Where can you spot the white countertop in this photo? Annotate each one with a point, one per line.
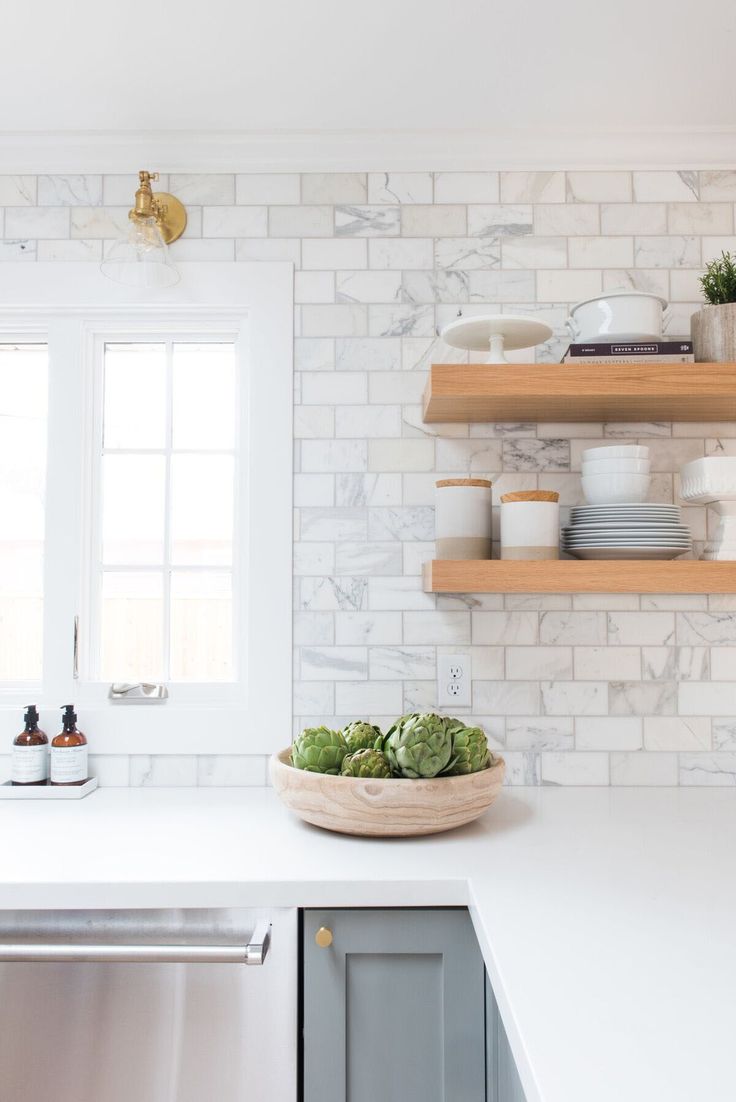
(607, 917)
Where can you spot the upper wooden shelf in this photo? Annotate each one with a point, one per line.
(581, 392)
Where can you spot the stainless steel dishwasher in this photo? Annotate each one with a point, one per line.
(148, 1006)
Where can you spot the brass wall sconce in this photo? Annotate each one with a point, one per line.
(141, 257)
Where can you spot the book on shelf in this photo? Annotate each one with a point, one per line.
(607, 352)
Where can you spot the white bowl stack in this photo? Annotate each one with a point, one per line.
(617, 475)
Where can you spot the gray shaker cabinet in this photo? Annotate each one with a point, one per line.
(504, 1084)
(394, 1007)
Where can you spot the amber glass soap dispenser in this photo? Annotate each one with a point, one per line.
(29, 757)
(69, 752)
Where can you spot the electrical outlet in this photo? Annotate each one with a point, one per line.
(453, 681)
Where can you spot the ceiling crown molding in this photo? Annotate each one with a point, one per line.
(366, 150)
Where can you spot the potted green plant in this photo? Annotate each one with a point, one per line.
(714, 326)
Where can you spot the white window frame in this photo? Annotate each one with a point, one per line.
(72, 306)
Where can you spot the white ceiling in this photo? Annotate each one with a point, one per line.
(384, 65)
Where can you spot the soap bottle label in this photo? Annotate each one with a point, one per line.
(68, 764)
(28, 764)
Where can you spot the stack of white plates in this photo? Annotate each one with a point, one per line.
(626, 531)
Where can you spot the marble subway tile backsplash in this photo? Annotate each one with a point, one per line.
(574, 689)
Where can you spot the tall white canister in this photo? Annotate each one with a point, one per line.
(463, 518)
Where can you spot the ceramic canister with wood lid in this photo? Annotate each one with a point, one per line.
(530, 525)
(463, 518)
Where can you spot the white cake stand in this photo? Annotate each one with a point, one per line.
(495, 333)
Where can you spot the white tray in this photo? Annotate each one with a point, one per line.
(9, 791)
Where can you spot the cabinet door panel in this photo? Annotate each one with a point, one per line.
(504, 1084)
(393, 1008)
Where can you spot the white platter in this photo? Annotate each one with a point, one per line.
(9, 791)
(494, 333)
(628, 552)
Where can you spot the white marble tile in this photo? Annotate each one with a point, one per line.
(231, 770)
(404, 320)
(332, 253)
(21, 250)
(467, 253)
(666, 186)
(723, 732)
(402, 594)
(567, 286)
(673, 733)
(541, 663)
(600, 252)
(314, 354)
(500, 220)
(341, 320)
(366, 698)
(70, 191)
(466, 187)
(368, 489)
(717, 629)
(651, 280)
(367, 421)
(718, 185)
(231, 221)
(403, 253)
(334, 455)
(608, 733)
(401, 663)
(574, 698)
(314, 558)
(203, 249)
(552, 454)
(641, 628)
(369, 628)
(722, 664)
(708, 769)
(539, 733)
(333, 663)
(645, 769)
(313, 422)
(495, 285)
(368, 221)
(334, 387)
(207, 189)
(47, 222)
(368, 286)
(634, 218)
(534, 252)
(298, 221)
(506, 698)
(313, 698)
(541, 602)
(111, 770)
(271, 188)
(400, 187)
(522, 769)
(667, 252)
(678, 664)
(607, 663)
(446, 220)
(598, 187)
(163, 771)
(332, 593)
(435, 286)
(387, 387)
(403, 522)
(613, 602)
(400, 455)
(119, 189)
(703, 218)
(642, 698)
(575, 768)
(532, 187)
(685, 284)
(18, 191)
(368, 354)
(314, 287)
(334, 187)
(577, 628)
(315, 629)
(567, 219)
(262, 248)
(333, 524)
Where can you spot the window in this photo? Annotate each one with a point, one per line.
(139, 540)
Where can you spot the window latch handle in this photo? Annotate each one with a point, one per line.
(122, 692)
(75, 663)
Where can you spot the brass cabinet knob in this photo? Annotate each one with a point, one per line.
(323, 937)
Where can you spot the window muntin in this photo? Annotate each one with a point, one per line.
(23, 429)
(164, 557)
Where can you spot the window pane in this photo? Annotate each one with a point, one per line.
(132, 626)
(201, 510)
(23, 398)
(135, 396)
(201, 626)
(204, 396)
(133, 505)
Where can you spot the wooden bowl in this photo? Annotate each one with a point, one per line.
(385, 808)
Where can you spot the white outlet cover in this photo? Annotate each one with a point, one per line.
(453, 681)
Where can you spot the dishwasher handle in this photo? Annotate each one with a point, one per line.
(90, 953)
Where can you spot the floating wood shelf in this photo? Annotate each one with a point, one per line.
(581, 392)
(568, 576)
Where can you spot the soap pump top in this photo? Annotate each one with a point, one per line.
(30, 718)
(69, 719)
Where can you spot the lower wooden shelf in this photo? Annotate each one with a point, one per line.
(568, 576)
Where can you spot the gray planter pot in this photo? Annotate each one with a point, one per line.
(714, 334)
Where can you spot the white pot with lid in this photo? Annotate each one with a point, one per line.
(618, 315)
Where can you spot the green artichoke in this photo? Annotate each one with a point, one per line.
(419, 745)
(319, 750)
(469, 750)
(362, 735)
(366, 763)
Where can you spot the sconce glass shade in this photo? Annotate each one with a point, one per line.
(141, 258)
